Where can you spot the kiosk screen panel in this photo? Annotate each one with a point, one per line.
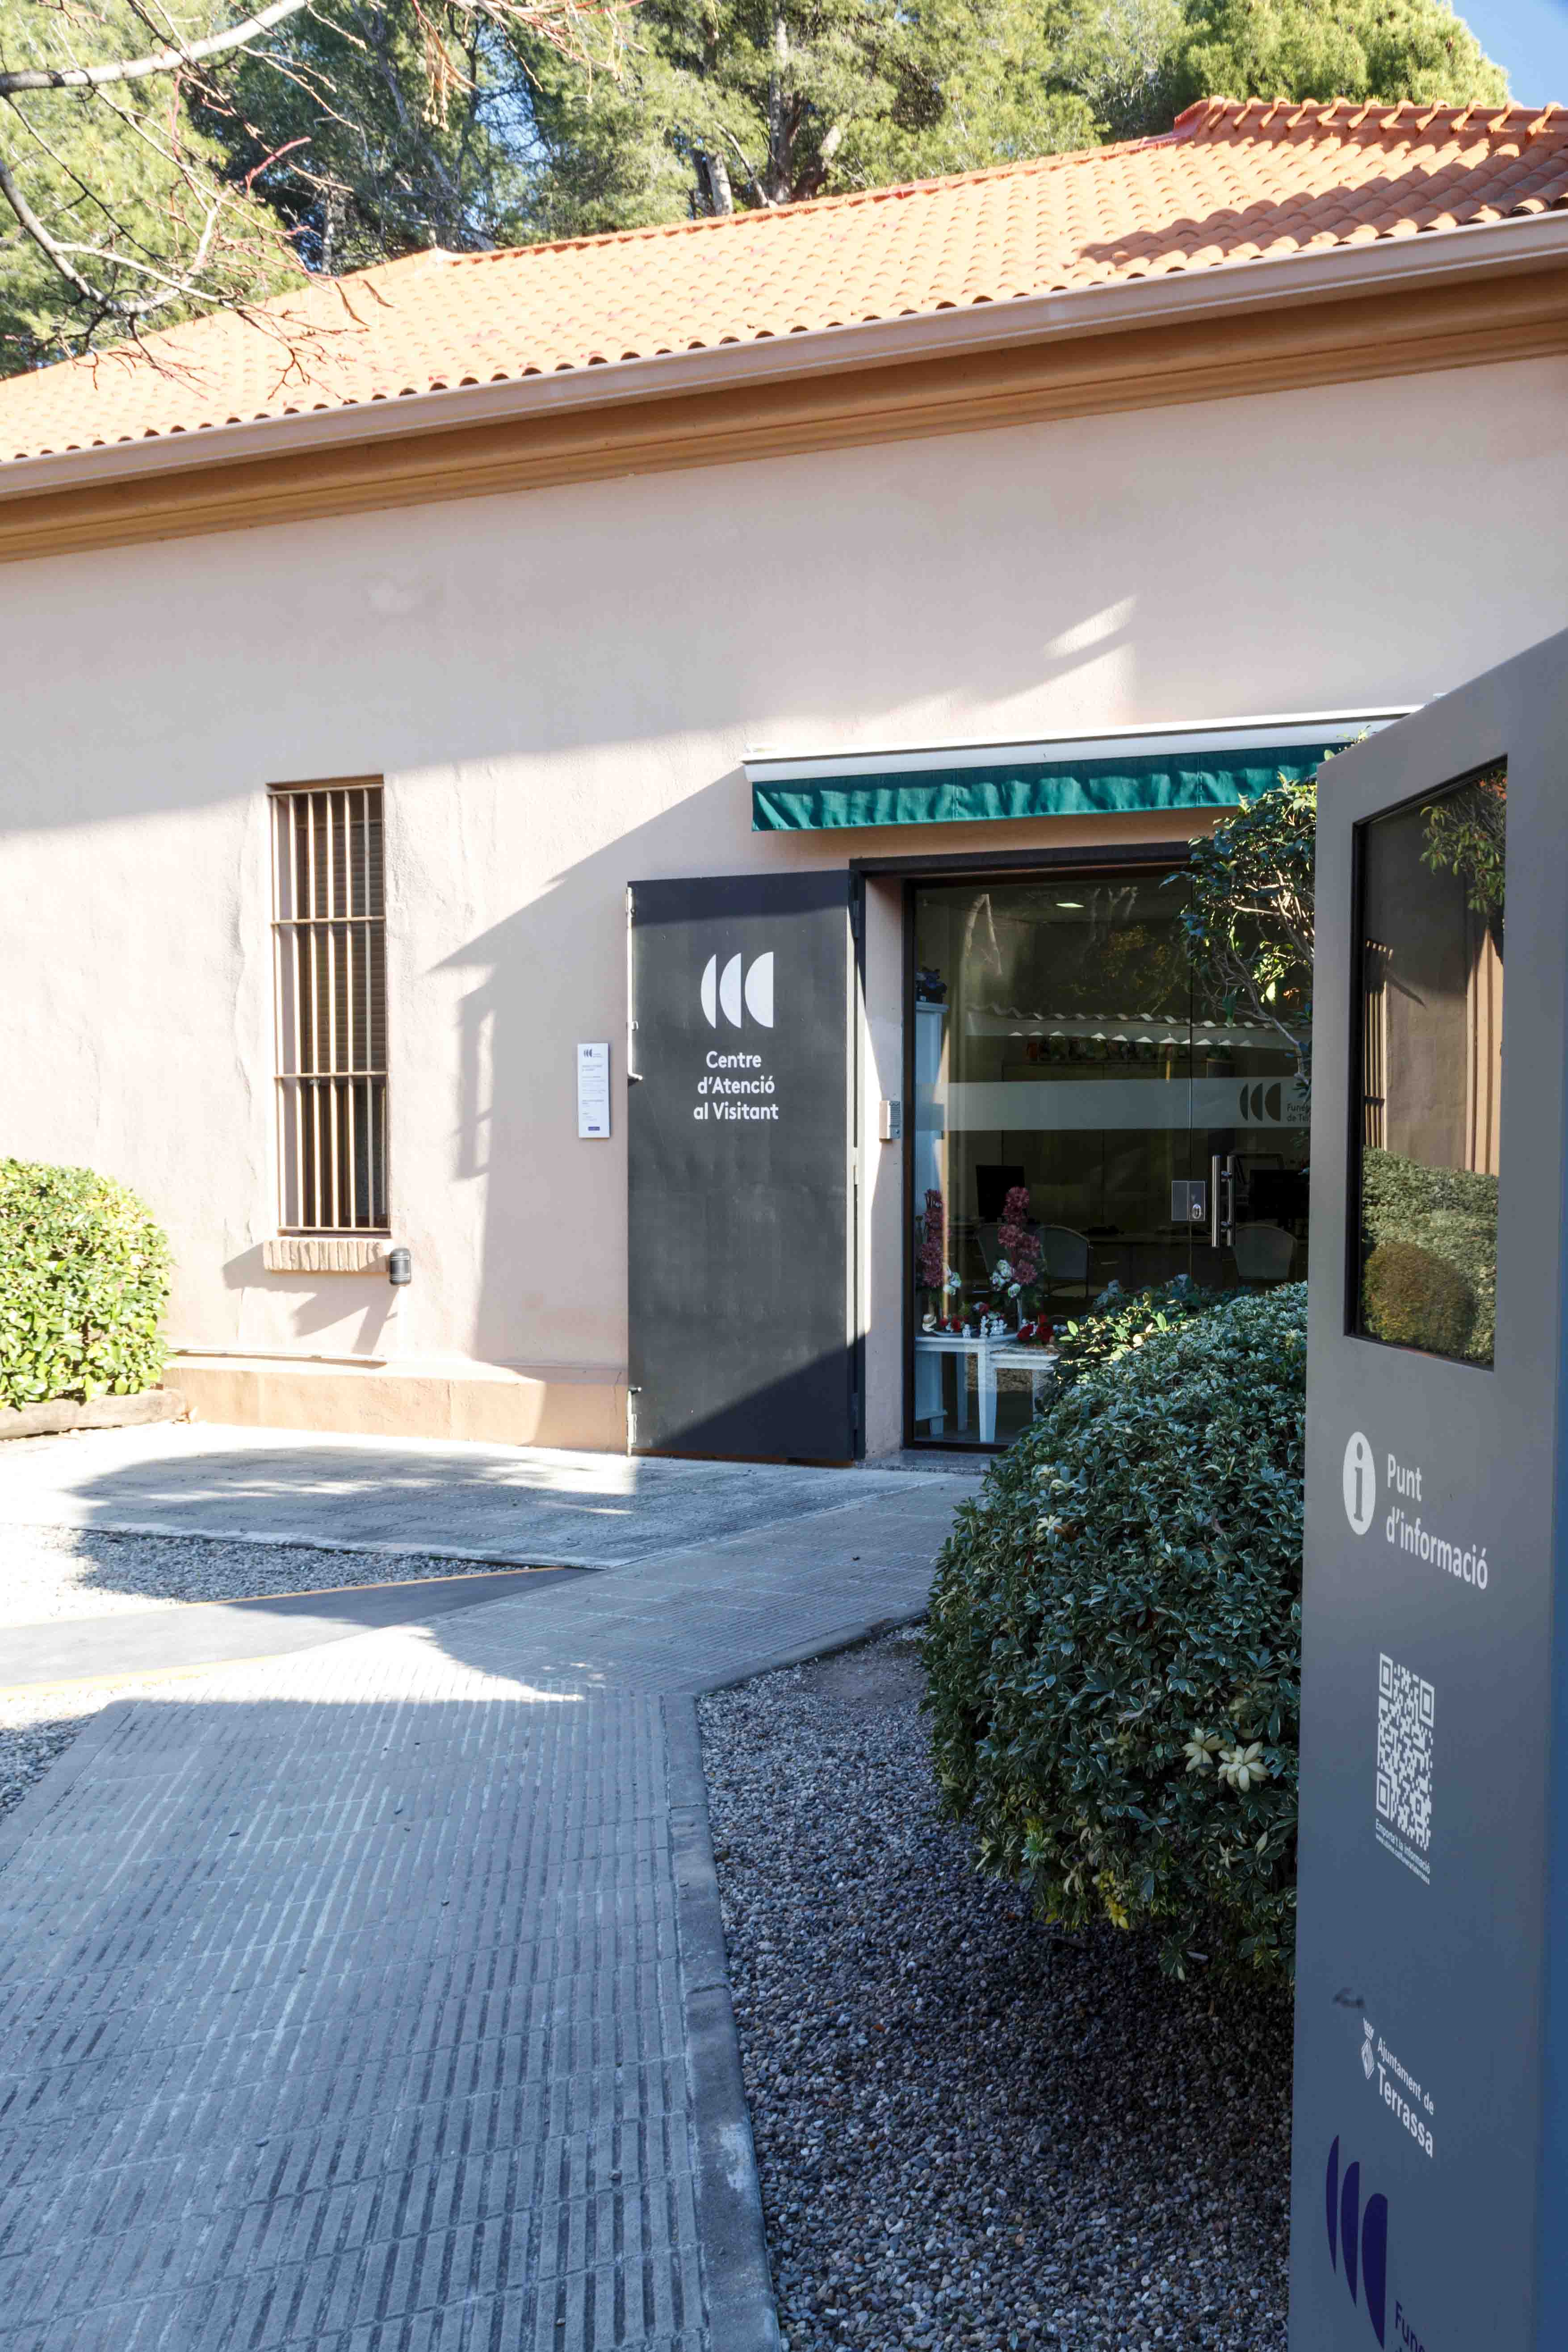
(1425, 1142)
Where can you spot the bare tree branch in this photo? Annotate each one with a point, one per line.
(165, 61)
(34, 227)
(187, 228)
(750, 170)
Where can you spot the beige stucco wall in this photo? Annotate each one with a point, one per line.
(558, 688)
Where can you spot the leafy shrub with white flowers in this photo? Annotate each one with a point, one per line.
(1120, 1320)
(1113, 1649)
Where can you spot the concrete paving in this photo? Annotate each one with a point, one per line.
(119, 1647)
(530, 1509)
(375, 1997)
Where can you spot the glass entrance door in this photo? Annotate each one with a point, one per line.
(1071, 1106)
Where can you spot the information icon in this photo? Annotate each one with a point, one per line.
(1360, 1484)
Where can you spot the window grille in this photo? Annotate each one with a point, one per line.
(328, 932)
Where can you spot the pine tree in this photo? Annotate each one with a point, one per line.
(1333, 48)
(746, 103)
(386, 139)
(730, 104)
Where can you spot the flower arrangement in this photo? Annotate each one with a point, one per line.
(1016, 1239)
(1017, 1269)
(931, 1261)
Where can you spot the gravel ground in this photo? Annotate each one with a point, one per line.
(54, 1572)
(51, 1572)
(38, 1727)
(973, 2131)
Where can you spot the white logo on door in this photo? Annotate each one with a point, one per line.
(725, 991)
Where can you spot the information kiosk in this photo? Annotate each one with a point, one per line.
(1429, 2192)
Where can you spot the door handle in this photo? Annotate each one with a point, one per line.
(1221, 1199)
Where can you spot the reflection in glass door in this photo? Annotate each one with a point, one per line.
(1429, 1130)
(1070, 1103)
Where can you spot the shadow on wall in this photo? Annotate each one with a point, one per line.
(551, 975)
(414, 691)
(325, 1302)
(408, 676)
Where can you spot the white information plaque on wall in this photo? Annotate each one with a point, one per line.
(592, 1090)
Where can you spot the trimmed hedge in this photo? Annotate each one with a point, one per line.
(1417, 1299)
(1451, 1214)
(84, 1280)
(1113, 1650)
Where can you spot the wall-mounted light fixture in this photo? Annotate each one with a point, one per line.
(399, 1268)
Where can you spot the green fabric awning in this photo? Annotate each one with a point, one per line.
(1176, 779)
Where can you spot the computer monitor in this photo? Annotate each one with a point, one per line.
(992, 1186)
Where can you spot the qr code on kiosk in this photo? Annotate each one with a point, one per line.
(1406, 1707)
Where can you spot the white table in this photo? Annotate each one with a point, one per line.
(992, 1356)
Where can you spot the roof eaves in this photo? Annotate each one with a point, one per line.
(1522, 241)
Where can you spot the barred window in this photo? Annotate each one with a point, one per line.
(329, 933)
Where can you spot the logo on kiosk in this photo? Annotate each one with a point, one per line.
(1360, 1484)
(728, 991)
(1358, 2241)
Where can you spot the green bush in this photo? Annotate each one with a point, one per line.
(1120, 1320)
(84, 1280)
(1417, 1299)
(1450, 1212)
(1113, 1650)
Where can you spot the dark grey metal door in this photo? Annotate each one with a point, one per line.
(1430, 2170)
(738, 1138)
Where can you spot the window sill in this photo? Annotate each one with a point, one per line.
(326, 1254)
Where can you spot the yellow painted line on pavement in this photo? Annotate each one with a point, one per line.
(320, 1591)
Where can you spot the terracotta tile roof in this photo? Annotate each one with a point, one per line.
(1231, 182)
